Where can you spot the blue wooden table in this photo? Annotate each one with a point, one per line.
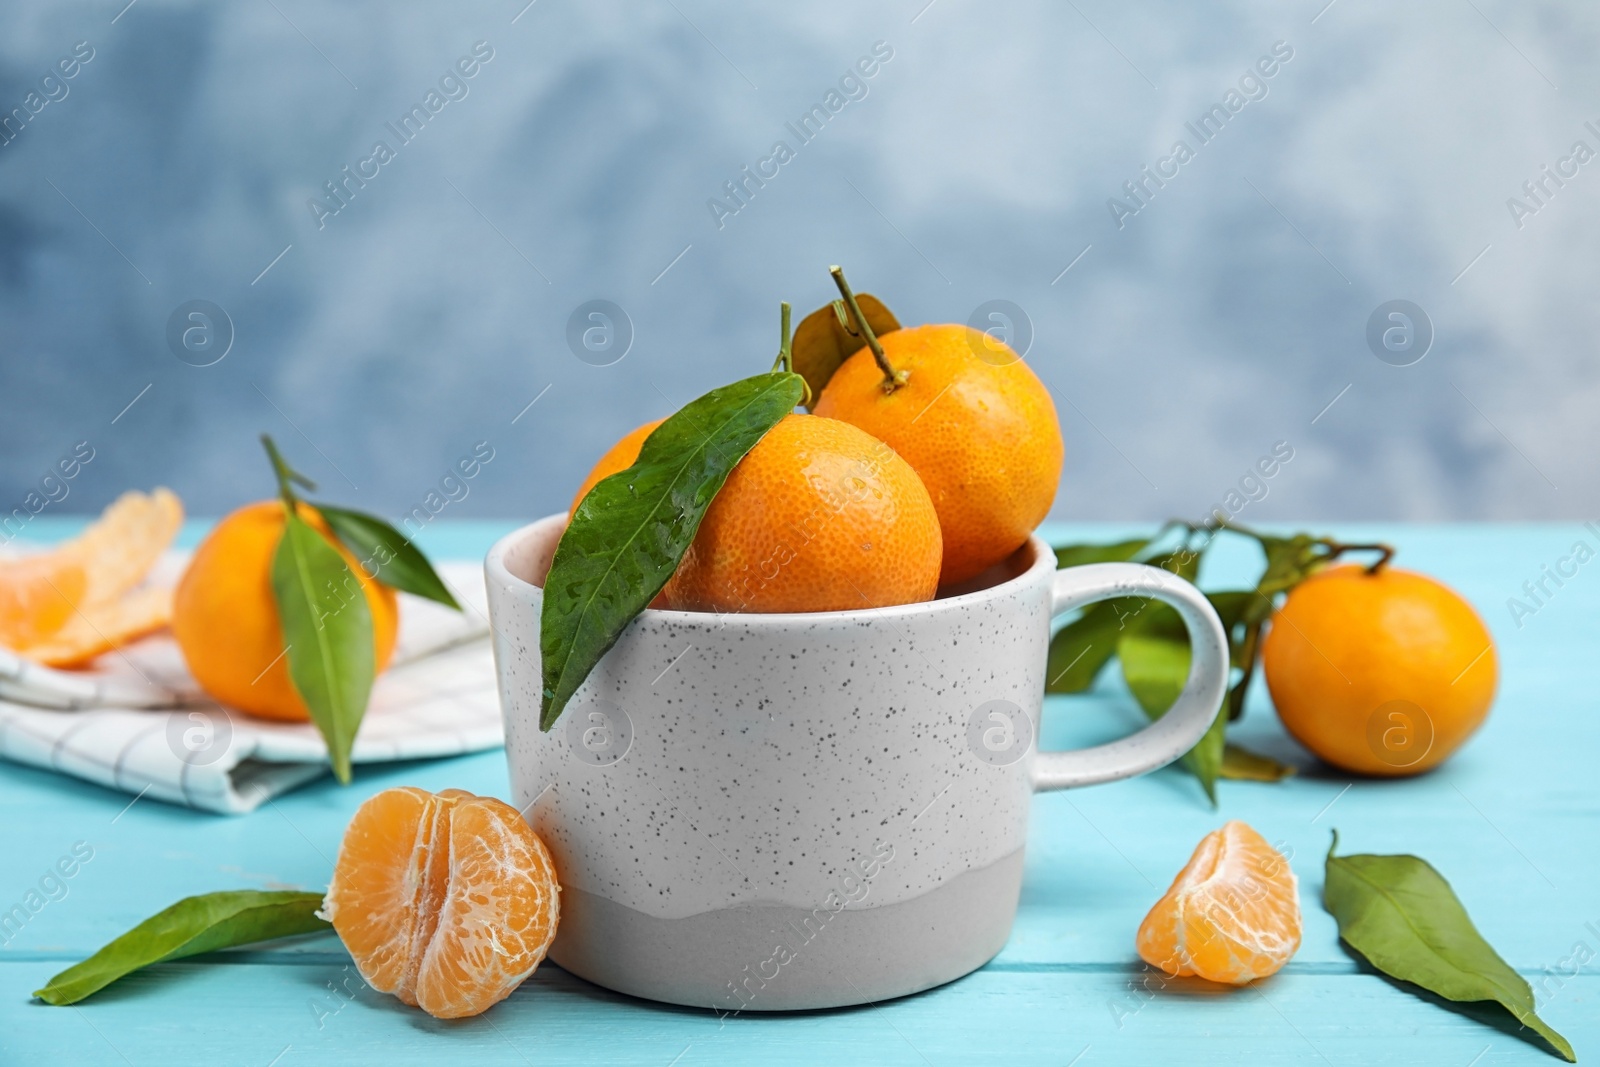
(1513, 821)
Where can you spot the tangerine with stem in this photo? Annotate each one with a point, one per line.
(970, 417)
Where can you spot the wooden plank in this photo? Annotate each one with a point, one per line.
(318, 1012)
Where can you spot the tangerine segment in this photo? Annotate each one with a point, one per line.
(1232, 915)
(623, 454)
(818, 516)
(499, 915)
(100, 627)
(447, 901)
(386, 884)
(120, 547)
(38, 595)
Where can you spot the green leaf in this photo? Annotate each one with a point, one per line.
(1155, 666)
(1242, 765)
(386, 554)
(1236, 607)
(1082, 647)
(1290, 560)
(1231, 606)
(191, 926)
(1184, 562)
(632, 529)
(1120, 552)
(823, 341)
(1159, 620)
(327, 634)
(1402, 916)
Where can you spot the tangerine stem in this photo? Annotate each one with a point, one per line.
(785, 360)
(287, 476)
(1335, 548)
(280, 470)
(1386, 552)
(892, 379)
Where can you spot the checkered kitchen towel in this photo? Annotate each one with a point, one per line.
(137, 722)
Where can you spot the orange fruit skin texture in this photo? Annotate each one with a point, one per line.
(623, 455)
(981, 432)
(1232, 915)
(448, 901)
(818, 516)
(1346, 643)
(37, 597)
(225, 616)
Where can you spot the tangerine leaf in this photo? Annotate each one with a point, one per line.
(1289, 561)
(387, 555)
(1182, 561)
(1155, 666)
(823, 340)
(1241, 765)
(1401, 915)
(1080, 649)
(1120, 552)
(630, 532)
(327, 634)
(193, 925)
(1159, 620)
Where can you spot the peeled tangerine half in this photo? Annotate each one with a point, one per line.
(1232, 914)
(448, 901)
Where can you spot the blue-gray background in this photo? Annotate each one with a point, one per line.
(1224, 317)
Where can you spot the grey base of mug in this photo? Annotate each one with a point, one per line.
(729, 959)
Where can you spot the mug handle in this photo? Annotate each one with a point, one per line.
(1170, 736)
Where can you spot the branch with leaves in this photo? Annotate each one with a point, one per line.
(1152, 646)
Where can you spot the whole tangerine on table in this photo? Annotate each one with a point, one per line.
(1377, 670)
(448, 901)
(972, 419)
(225, 617)
(818, 516)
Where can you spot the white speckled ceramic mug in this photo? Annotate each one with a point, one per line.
(777, 812)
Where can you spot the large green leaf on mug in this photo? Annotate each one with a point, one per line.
(631, 531)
